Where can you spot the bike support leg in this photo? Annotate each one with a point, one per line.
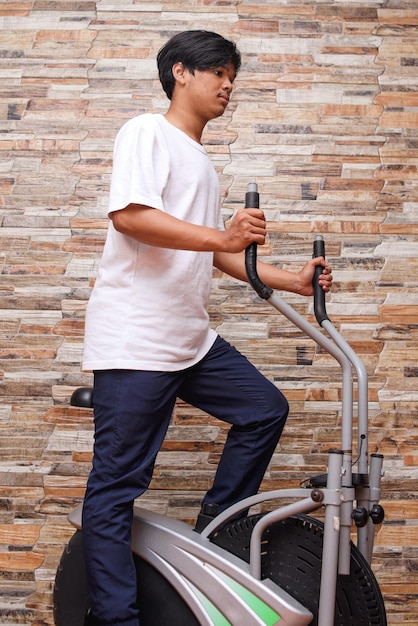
(368, 497)
(329, 566)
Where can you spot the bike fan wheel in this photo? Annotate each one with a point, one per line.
(159, 603)
(292, 555)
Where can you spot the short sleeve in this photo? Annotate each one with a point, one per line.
(140, 165)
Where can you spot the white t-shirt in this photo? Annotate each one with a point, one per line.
(148, 309)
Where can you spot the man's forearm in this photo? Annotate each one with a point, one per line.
(274, 277)
(156, 228)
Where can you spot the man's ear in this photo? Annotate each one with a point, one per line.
(179, 72)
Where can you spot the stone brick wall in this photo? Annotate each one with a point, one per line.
(325, 119)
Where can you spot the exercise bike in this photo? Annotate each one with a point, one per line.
(264, 569)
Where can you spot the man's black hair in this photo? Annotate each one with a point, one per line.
(197, 50)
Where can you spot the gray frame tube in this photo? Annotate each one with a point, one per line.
(363, 400)
(330, 550)
(332, 349)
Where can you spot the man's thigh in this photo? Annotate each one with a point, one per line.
(226, 385)
(132, 411)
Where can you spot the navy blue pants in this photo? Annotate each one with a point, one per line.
(132, 411)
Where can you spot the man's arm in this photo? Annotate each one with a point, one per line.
(274, 277)
(156, 228)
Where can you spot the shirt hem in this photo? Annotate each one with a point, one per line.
(126, 364)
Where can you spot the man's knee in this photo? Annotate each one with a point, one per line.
(278, 407)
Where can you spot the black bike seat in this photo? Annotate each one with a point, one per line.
(83, 396)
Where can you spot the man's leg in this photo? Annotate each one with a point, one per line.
(132, 412)
(226, 385)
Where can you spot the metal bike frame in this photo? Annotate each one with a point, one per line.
(223, 590)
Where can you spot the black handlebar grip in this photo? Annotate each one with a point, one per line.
(319, 293)
(252, 197)
(252, 201)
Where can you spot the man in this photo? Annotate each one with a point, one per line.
(148, 338)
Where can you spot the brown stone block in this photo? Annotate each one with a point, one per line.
(64, 5)
(57, 506)
(65, 36)
(19, 534)
(345, 226)
(56, 105)
(393, 155)
(397, 99)
(256, 26)
(98, 51)
(346, 159)
(22, 348)
(346, 13)
(33, 476)
(20, 561)
(404, 486)
(29, 492)
(323, 395)
(398, 119)
(20, 8)
(6, 145)
(398, 17)
(87, 243)
(29, 390)
(392, 444)
(36, 329)
(399, 229)
(44, 270)
(6, 185)
(409, 444)
(82, 457)
(401, 509)
(411, 460)
(68, 415)
(392, 416)
(80, 223)
(397, 536)
(399, 313)
(91, 167)
(27, 303)
(348, 50)
(70, 328)
(289, 227)
(352, 185)
(65, 493)
(314, 28)
(260, 8)
(293, 395)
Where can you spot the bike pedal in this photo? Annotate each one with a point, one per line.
(317, 481)
(358, 480)
(207, 513)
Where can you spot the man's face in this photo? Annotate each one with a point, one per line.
(208, 91)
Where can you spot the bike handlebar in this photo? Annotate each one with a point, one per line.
(319, 293)
(252, 200)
